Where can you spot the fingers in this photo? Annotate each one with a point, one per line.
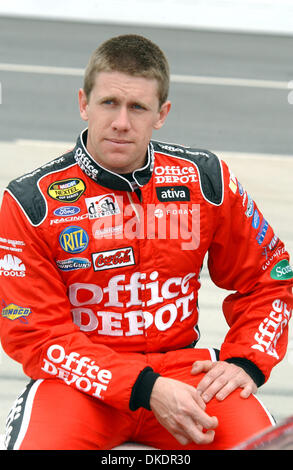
(221, 390)
(198, 398)
(248, 390)
(199, 415)
(181, 438)
(201, 366)
(221, 379)
(199, 425)
(212, 382)
(204, 420)
(200, 437)
(233, 385)
(193, 433)
(181, 410)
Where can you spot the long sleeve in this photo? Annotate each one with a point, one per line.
(246, 256)
(36, 324)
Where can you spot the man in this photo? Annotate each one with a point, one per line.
(101, 252)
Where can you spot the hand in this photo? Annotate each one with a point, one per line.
(221, 379)
(180, 409)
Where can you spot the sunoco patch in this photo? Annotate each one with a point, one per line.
(68, 190)
(14, 312)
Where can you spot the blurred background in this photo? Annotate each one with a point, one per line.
(231, 92)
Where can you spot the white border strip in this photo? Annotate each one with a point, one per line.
(273, 422)
(27, 414)
(259, 16)
(213, 354)
(183, 79)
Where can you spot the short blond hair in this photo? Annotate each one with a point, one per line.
(131, 54)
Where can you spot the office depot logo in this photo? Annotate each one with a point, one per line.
(79, 371)
(175, 174)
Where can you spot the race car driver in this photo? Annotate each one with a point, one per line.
(101, 253)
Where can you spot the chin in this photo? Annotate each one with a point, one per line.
(118, 164)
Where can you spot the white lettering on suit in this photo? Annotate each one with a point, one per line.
(74, 369)
(109, 323)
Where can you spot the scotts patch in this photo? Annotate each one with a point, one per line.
(173, 193)
(14, 312)
(74, 239)
(113, 258)
(68, 190)
(282, 270)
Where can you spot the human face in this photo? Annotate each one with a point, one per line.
(122, 112)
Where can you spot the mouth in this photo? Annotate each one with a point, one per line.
(119, 141)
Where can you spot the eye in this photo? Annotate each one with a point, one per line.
(138, 107)
(108, 101)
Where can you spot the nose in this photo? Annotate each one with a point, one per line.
(121, 122)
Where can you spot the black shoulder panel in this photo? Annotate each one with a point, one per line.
(26, 191)
(208, 164)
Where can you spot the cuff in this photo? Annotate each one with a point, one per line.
(250, 368)
(142, 389)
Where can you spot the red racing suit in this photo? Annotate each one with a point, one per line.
(95, 264)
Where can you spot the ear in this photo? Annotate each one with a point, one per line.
(82, 99)
(163, 113)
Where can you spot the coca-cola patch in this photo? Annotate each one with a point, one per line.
(110, 259)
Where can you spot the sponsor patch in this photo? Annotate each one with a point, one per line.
(262, 232)
(14, 312)
(270, 246)
(66, 211)
(255, 219)
(79, 371)
(73, 264)
(271, 328)
(173, 193)
(282, 270)
(233, 183)
(13, 243)
(86, 163)
(110, 259)
(11, 265)
(274, 255)
(159, 303)
(175, 174)
(108, 231)
(249, 207)
(72, 218)
(102, 206)
(74, 239)
(240, 188)
(67, 190)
